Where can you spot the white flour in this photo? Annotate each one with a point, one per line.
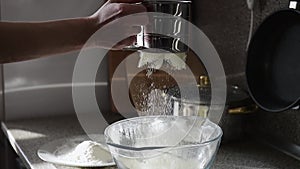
(176, 61)
(161, 162)
(88, 152)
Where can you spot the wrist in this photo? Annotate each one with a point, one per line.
(89, 26)
(93, 23)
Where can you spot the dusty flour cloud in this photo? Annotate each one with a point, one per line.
(89, 59)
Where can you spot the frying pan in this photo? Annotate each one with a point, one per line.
(273, 62)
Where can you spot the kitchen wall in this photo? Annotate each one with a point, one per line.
(42, 87)
(227, 24)
(2, 137)
(2, 116)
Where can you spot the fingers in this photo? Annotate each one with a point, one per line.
(133, 20)
(121, 18)
(114, 30)
(125, 43)
(126, 31)
(126, 1)
(126, 9)
(114, 11)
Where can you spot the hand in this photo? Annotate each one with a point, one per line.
(107, 19)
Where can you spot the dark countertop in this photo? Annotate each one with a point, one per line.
(26, 137)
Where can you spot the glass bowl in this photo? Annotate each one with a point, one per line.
(163, 142)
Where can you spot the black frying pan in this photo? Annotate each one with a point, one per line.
(273, 62)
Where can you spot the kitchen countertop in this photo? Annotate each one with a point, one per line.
(26, 136)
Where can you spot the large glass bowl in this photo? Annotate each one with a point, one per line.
(163, 142)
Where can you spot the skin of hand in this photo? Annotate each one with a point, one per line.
(21, 41)
(129, 27)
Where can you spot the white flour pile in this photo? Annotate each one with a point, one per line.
(88, 152)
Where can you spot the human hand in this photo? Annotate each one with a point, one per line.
(107, 18)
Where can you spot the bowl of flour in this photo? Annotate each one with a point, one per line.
(164, 142)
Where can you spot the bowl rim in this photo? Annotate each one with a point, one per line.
(216, 138)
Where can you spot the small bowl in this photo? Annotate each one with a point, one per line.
(163, 142)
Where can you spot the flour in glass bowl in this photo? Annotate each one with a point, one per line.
(88, 152)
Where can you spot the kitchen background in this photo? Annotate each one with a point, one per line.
(42, 87)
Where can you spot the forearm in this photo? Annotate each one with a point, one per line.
(23, 41)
